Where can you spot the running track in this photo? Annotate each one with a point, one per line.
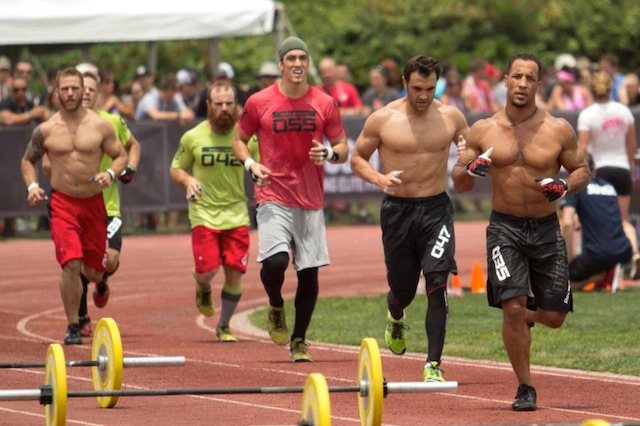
(152, 302)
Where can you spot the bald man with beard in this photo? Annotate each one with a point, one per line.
(217, 203)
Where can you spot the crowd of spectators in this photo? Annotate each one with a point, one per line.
(181, 96)
(479, 90)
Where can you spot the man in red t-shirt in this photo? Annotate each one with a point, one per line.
(346, 94)
(290, 119)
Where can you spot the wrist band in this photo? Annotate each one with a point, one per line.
(111, 174)
(331, 154)
(32, 185)
(247, 163)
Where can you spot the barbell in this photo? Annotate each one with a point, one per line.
(107, 361)
(372, 388)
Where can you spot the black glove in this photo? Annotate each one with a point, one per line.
(480, 166)
(127, 174)
(553, 189)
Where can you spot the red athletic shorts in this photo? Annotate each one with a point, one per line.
(79, 229)
(212, 248)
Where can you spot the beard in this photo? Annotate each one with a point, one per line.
(70, 107)
(223, 122)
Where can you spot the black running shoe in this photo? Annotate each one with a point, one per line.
(73, 336)
(525, 399)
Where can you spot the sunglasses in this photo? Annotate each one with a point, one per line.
(19, 89)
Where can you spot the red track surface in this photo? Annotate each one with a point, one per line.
(152, 301)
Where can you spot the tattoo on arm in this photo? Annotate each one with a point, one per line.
(35, 148)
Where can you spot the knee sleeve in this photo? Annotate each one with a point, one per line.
(401, 298)
(436, 284)
(276, 263)
(272, 275)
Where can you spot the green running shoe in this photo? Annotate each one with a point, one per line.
(299, 350)
(394, 335)
(278, 326)
(223, 334)
(432, 372)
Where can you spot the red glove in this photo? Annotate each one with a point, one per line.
(553, 189)
(480, 166)
(127, 174)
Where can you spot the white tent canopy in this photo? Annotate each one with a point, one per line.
(36, 22)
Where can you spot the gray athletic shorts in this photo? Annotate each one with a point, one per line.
(284, 228)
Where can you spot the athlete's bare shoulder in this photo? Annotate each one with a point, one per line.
(559, 127)
(484, 125)
(36, 148)
(450, 112)
(47, 126)
(381, 116)
(96, 120)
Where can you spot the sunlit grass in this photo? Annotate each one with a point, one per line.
(602, 334)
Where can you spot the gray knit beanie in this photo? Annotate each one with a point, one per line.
(292, 43)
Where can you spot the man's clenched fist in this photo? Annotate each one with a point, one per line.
(127, 174)
(553, 189)
(480, 166)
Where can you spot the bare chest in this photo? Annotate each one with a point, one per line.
(417, 136)
(67, 139)
(523, 147)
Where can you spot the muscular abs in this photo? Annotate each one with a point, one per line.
(420, 149)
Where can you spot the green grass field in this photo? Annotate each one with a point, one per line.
(602, 334)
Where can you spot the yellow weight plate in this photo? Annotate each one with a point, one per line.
(370, 373)
(107, 343)
(316, 408)
(56, 377)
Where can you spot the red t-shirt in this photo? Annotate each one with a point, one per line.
(285, 127)
(346, 94)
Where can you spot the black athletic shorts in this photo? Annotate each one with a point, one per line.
(583, 267)
(417, 235)
(527, 257)
(618, 177)
(114, 232)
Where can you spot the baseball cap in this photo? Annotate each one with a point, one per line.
(5, 63)
(184, 77)
(565, 60)
(225, 70)
(493, 71)
(268, 69)
(142, 71)
(87, 67)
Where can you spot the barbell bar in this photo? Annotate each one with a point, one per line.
(102, 362)
(372, 388)
(107, 361)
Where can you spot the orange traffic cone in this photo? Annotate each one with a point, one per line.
(478, 281)
(455, 288)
